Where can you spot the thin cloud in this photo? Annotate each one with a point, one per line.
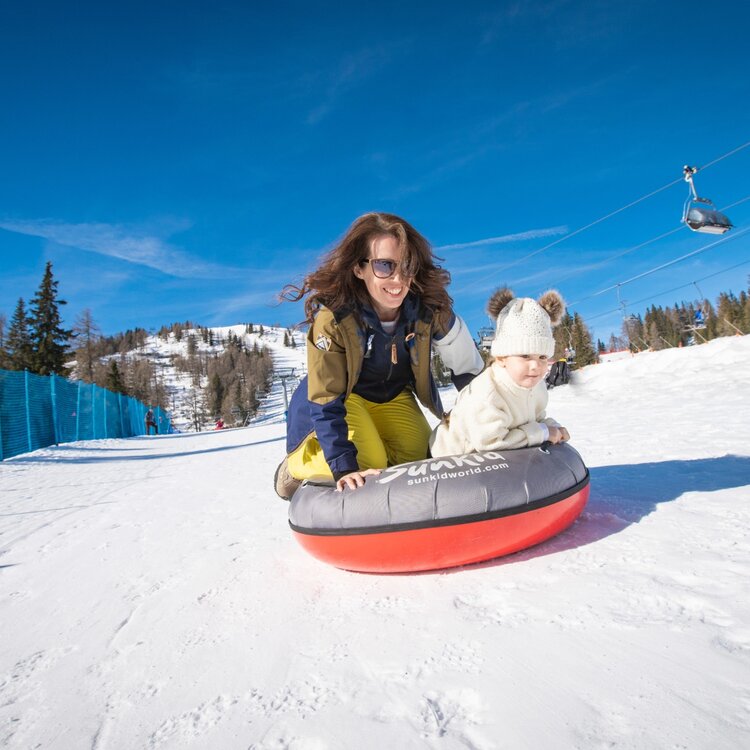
(124, 243)
(240, 307)
(520, 284)
(351, 71)
(531, 234)
(453, 152)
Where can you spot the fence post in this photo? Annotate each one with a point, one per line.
(78, 411)
(1, 429)
(93, 412)
(119, 406)
(28, 412)
(53, 394)
(104, 396)
(735, 327)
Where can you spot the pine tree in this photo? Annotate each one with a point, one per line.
(617, 343)
(659, 331)
(582, 343)
(712, 322)
(87, 334)
(49, 338)
(114, 380)
(563, 335)
(19, 348)
(215, 394)
(634, 332)
(239, 408)
(729, 312)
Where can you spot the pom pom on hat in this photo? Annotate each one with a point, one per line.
(523, 325)
(498, 301)
(552, 303)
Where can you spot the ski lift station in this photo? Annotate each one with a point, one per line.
(486, 335)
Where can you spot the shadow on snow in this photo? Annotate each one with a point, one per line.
(59, 456)
(623, 495)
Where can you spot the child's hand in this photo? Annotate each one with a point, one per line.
(558, 435)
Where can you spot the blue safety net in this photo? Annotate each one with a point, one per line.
(36, 411)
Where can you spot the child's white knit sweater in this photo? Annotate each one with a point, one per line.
(493, 413)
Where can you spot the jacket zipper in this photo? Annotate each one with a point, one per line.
(394, 357)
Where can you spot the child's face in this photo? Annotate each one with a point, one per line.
(525, 370)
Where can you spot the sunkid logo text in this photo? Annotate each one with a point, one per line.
(438, 464)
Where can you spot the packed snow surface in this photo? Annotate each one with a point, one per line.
(152, 595)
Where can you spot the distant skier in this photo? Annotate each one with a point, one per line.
(151, 422)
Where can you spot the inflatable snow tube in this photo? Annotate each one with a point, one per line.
(442, 512)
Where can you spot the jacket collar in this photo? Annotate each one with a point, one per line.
(409, 312)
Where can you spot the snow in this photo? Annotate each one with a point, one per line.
(605, 357)
(153, 596)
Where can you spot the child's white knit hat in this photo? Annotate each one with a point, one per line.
(524, 326)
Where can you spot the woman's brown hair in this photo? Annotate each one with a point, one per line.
(334, 285)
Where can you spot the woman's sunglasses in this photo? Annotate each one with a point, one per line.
(384, 268)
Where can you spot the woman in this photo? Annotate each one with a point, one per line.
(376, 306)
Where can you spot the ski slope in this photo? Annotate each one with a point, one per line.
(178, 383)
(151, 595)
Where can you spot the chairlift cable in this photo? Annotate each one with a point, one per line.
(580, 229)
(682, 257)
(609, 215)
(562, 277)
(666, 234)
(669, 291)
(724, 156)
(632, 250)
(663, 265)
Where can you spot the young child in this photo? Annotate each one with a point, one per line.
(504, 407)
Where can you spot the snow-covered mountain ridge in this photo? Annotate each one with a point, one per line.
(179, 384)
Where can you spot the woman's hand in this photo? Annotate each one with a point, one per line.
(355, 479)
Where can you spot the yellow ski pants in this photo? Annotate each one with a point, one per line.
(384, 434)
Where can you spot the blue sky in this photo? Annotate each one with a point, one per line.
(185, 160)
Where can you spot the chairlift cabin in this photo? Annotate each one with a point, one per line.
(700, 214)
(486, 337)
(701, 311)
